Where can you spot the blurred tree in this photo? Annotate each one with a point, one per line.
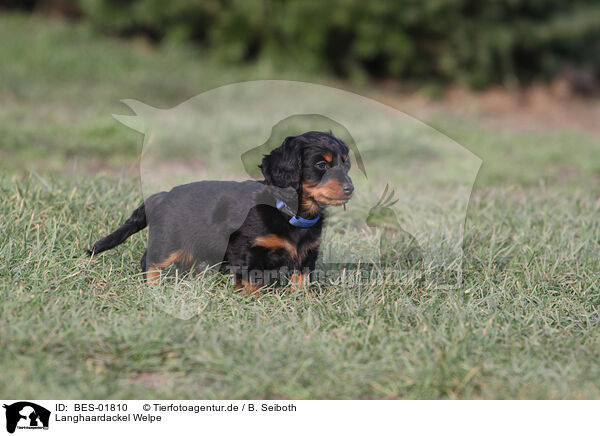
(440, 41)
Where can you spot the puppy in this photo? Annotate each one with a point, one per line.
(251, 228)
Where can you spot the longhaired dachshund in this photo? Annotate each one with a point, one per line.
(249, 227)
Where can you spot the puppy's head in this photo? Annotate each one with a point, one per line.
(316, 164)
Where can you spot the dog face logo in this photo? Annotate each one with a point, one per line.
(26, 415)
(407, 215)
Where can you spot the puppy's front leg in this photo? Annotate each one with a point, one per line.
(248, 287)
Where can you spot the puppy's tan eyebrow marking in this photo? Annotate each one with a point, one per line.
(327, 157)
(345, 158)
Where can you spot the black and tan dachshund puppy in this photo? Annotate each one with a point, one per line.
(249, 227)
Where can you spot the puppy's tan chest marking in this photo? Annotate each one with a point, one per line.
(275, 242)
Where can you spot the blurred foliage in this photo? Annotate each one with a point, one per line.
(438, 41)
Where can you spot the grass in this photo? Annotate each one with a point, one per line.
(523, 324)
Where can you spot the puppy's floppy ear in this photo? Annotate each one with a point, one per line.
(283, 166)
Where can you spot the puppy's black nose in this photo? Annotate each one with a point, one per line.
(348, 188)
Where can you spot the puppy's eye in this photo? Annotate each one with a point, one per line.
(321, 165)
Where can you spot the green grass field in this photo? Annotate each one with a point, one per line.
(523, 324)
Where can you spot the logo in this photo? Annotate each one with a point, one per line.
(26, 415)
(412, 183)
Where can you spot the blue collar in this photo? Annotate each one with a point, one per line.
(296, 220)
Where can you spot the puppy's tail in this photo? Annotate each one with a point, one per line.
(135, 223)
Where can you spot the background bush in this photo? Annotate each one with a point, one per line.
(462, 41)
